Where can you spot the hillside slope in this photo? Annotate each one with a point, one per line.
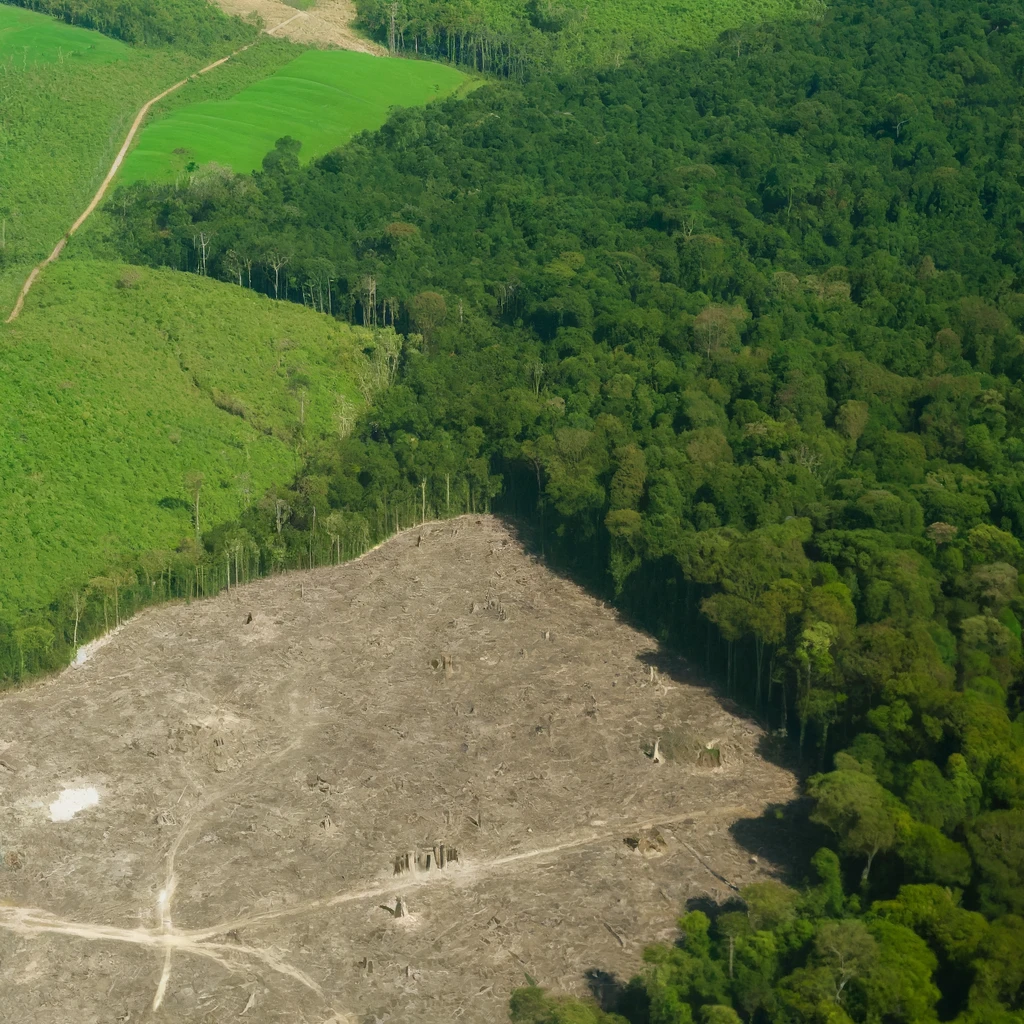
(116, 383)
(256, 781)
(68, 96)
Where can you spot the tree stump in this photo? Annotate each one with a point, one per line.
(709, 757)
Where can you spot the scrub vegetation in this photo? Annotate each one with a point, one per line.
(117, 383)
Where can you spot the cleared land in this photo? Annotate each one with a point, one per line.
(322, 98)
(256, 781)
(324, 23)
(109, 394)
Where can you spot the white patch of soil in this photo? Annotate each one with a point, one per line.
(72, 802)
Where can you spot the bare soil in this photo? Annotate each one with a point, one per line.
(329, 23)
(261, 782)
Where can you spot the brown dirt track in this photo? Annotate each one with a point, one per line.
(264, 776)
(328, 23)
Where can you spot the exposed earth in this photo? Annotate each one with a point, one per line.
(212, 817)
(328, 23)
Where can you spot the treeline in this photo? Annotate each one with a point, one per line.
(741, 333)
(492, 37)
(776, 954)
(279, 532)
(192, 25)
(514, 40)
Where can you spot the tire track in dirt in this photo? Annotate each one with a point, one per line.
(27, 921)
(114, 168)
(328, 23)
(470, 873)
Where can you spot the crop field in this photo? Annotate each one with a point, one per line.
(248, 820)
(116, 382)
(30, 38)
(322, 98)
(67, 98)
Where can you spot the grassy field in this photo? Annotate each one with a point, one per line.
(67, 98)
(30, 38)
(322, 98)
(109, 395)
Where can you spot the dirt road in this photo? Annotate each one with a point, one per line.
(114, 167)
(102, 191)
(329, 23)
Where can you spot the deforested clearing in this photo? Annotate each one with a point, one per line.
(405, 784)
(322, 23)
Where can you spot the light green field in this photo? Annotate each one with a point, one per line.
(110, 395)
(322, 98)
(67, 98)
(29, 38)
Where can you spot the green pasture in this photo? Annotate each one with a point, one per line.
(116, 382)
(30, 38)
(67, 99)
(322, 98)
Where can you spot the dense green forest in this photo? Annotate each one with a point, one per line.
(514, 39)
(738, 333)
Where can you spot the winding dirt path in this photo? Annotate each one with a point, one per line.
(30, 921)
(327, 23)
(114, 167)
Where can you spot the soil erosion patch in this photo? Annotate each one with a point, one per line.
(392, 788)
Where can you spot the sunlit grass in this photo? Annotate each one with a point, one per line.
(321, 98)
(116, 382)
